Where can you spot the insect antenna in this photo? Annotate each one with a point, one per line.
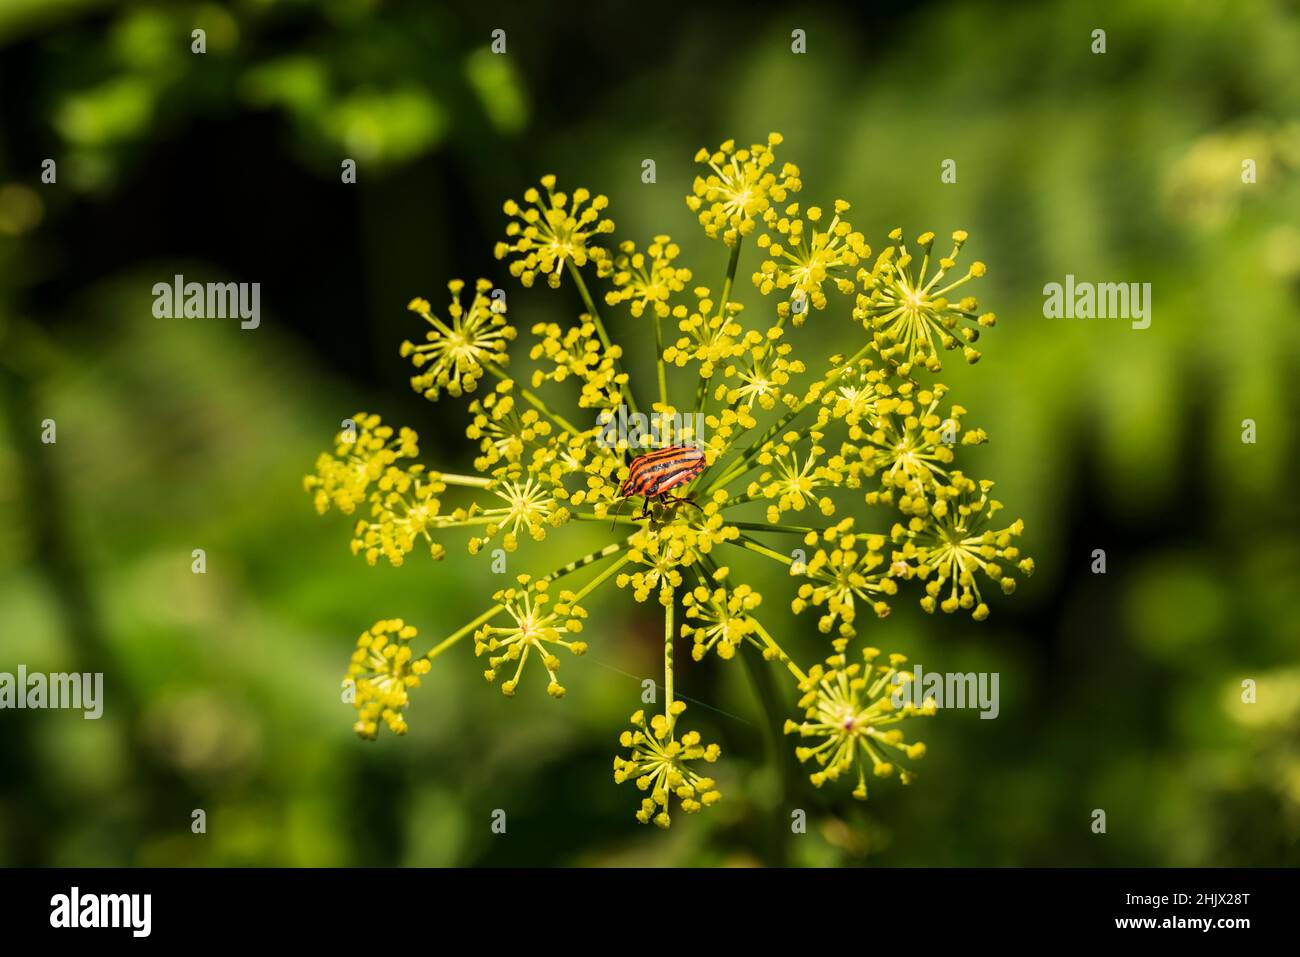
(617, 509)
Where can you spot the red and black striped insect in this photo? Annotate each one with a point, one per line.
(655, 474)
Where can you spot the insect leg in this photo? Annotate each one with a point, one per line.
(683, 500)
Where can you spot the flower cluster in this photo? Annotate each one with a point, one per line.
(380, 674)
(534, 630)
(647, 280)
(660, 763)
(799, 454)
(546, 236)
(849, 710)
(456, 350)
(805, 258)
(740, 187)
(911, 317)
(363, 452)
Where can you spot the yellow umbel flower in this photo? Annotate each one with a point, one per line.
(709, 337)
(850, 707)
(648, 279)
(792, 476)
(403, 509)
(911, 317)
(560, 437)
(576, 353)
(455, 351)
(548, 233)
(957, 545)
(361, 455)
(723, 617)
(505, 432)
(762, 379)
(907, 444)
(529, 507)
(660, 763)
(805, 258)
(380, 674)
(848, 569)
(534, 630)
(739, 188)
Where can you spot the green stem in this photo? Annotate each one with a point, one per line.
(443, 521)
(587, 559)
(668, 658)
(781, 656)
(573, 566)
(469, 481)
(659, 361)
(789, 529)
(746, 542)
(732, 263)
(460, 633)
(600, 579)
(747, 526)
(700, 395)
(612, 519)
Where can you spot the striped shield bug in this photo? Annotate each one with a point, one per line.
(655, 474)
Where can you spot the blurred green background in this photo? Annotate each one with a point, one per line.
(1119, 691)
